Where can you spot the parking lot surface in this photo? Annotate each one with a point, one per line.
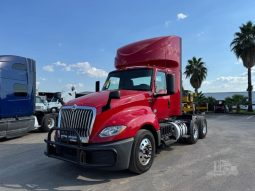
(224, 160)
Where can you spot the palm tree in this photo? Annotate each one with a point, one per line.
(196, 71)
(211, 101)
(238, 100)
(200, 98)
(200, 101)
(229, 102)
(243, 46)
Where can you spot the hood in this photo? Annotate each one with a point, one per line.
(99, 99)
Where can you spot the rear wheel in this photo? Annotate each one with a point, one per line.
(143, 152)
(194, 132)
(202, 128)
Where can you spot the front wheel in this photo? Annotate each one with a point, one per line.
(53, 110)
(143, 152)
(203, 128)
(48, 122)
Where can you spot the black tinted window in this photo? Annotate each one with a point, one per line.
(131, 79)
(20, 90)
(19, 66)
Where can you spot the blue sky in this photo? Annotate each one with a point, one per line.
(74, 42)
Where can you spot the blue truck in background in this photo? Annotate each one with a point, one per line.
(17, 95)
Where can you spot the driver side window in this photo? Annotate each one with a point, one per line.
(160, 82)
(112, 83)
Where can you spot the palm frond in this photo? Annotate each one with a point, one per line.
(196, 71)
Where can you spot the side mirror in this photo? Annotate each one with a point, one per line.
(112, 95)
(62, 101)
(170, 81)
(97, 87)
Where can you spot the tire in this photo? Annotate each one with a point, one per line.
(54, 110)
(48, 122)
(194, 132)
(138, 163)
(202, 128)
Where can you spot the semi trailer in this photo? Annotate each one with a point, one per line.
(137, 111)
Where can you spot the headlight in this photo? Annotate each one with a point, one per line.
(113, 130)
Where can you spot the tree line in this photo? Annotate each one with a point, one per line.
(243, 46)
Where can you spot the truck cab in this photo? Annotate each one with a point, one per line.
(40, 105)
(54, 105)
(17, 95)
(138, 109)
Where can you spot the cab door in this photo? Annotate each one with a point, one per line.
(161, 104)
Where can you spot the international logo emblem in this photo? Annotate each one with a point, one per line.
(74, 107)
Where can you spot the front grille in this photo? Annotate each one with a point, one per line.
(37, 107)
(78, 118)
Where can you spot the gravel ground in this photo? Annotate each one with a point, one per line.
(223, 161)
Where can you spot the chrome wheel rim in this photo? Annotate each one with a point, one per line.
(195, 132)
(204, 128)
(145, 151)
(51, 123)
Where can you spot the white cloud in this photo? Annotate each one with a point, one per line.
(231, 79)
(48, 68)
(206, 82)
(59, 63)
(43, 79)
(239, 61)
(181, 16)
(200, 34)
(223, 83)
(82, 68)
(37, 85)
(246, 72)
(167, 23)
(86, 68)
(67, 69)
(64, 66)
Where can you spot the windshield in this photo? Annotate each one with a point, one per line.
(131, 79)
(39, 100)
(54, 99)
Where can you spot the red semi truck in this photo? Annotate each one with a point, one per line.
(138, 110)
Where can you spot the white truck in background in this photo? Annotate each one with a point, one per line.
(44, 119)
(54, 105)
(47, 112)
